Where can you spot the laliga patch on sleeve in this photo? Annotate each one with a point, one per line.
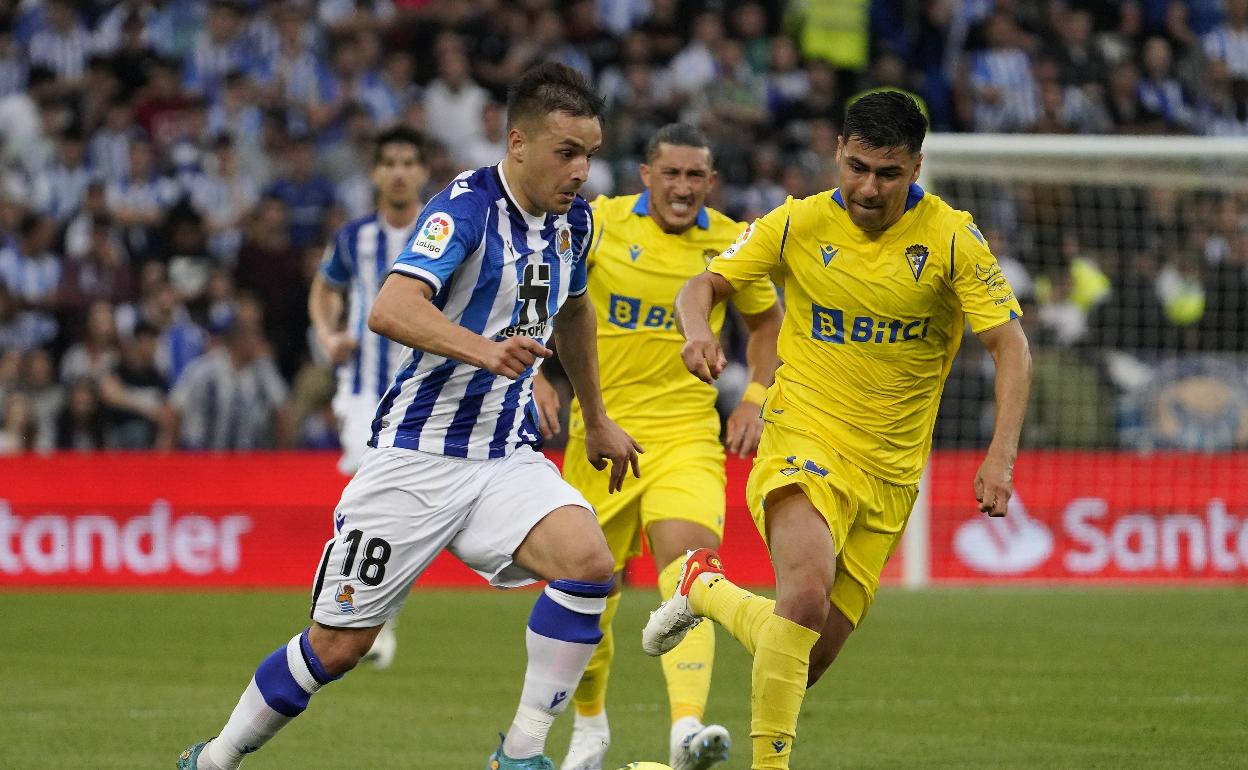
(739, 242)
(434, 235)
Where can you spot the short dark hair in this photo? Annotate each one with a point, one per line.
(551, 87)
(679, 135)
(399, 134)
(885, 119)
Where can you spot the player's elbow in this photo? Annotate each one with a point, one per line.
(381, 320)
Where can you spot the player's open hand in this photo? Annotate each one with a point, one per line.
(513, 356)
(546, 399)
(607, 442)
(994, 483)
(338, 346)
(745, 427)
(704, 358)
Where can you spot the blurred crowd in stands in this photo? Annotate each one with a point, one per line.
(171, 170)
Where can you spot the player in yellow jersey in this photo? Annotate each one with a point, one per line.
(879, 280)
(647, 246)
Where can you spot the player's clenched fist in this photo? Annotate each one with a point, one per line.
(513, 356)
(704, 358)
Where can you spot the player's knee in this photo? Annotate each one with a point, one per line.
(339, 650)
(595, 566)
(804, 603)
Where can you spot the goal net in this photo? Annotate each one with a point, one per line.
(1130, 258)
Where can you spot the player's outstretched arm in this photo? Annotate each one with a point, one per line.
(995, 481)
(745, 424)
(702, 354)
(576, 335)
(403, 312)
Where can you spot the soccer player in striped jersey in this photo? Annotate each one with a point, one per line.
(452, 464)
(355, 266)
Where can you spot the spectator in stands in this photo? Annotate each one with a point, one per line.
(220, 48)
(1003, 92)
(490, 147)
(82, 425)
(136, 395)
(270, 264)
(45, 393)
(1079, 61)
(453, 101)
(61, 44)
(17, 429)
(233, 397)
(67, 180)
(96, 354)
(1228, 42)
(1161, 96)
(307, 195)
(695, 67)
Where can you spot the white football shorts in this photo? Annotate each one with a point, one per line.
(403, 507)
(355, 413)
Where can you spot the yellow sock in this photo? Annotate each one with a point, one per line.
(687, 668)
(590, 697)
(777, 687)
(742, 613)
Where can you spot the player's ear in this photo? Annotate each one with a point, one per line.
(515, 143)
(644, 170)
(918, 165)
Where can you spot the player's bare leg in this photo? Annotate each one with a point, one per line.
(567, 549)
(279, 691)
(687, 668)
(591, 731)
(836, 631)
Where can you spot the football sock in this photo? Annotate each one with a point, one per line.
(562, 634)
(687, 668)
(277, 693)
(591, 694)
(777, 687)
(740, 612)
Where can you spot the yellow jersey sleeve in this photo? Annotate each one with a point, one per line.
(756, 252)
(981, 287)
(600, 228)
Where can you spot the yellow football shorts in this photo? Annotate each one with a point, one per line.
(680, 479)
(866, 515)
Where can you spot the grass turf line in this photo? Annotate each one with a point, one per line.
(938, 679)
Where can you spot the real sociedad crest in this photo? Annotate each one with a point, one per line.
(563, 243)
(916, 257)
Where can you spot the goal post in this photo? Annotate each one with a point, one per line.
(1130, 257)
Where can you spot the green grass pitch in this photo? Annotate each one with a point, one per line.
(936, 679)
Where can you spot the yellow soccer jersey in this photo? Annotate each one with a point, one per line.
(872, 320)
(635, 271)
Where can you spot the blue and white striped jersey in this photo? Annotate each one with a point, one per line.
(497, 271)
(357, 262)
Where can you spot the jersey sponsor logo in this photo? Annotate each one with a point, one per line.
(435, 233)
(828, 253)
(563, 243)
(994, 281)
(630, 312)
(534, 294)
(346, 598)
(537, 331)
(828, 325)
(916, 258)
(634, 251)
(739, 242)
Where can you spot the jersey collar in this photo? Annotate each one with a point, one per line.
(529, 219)
(912, 198)
(642, 207)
